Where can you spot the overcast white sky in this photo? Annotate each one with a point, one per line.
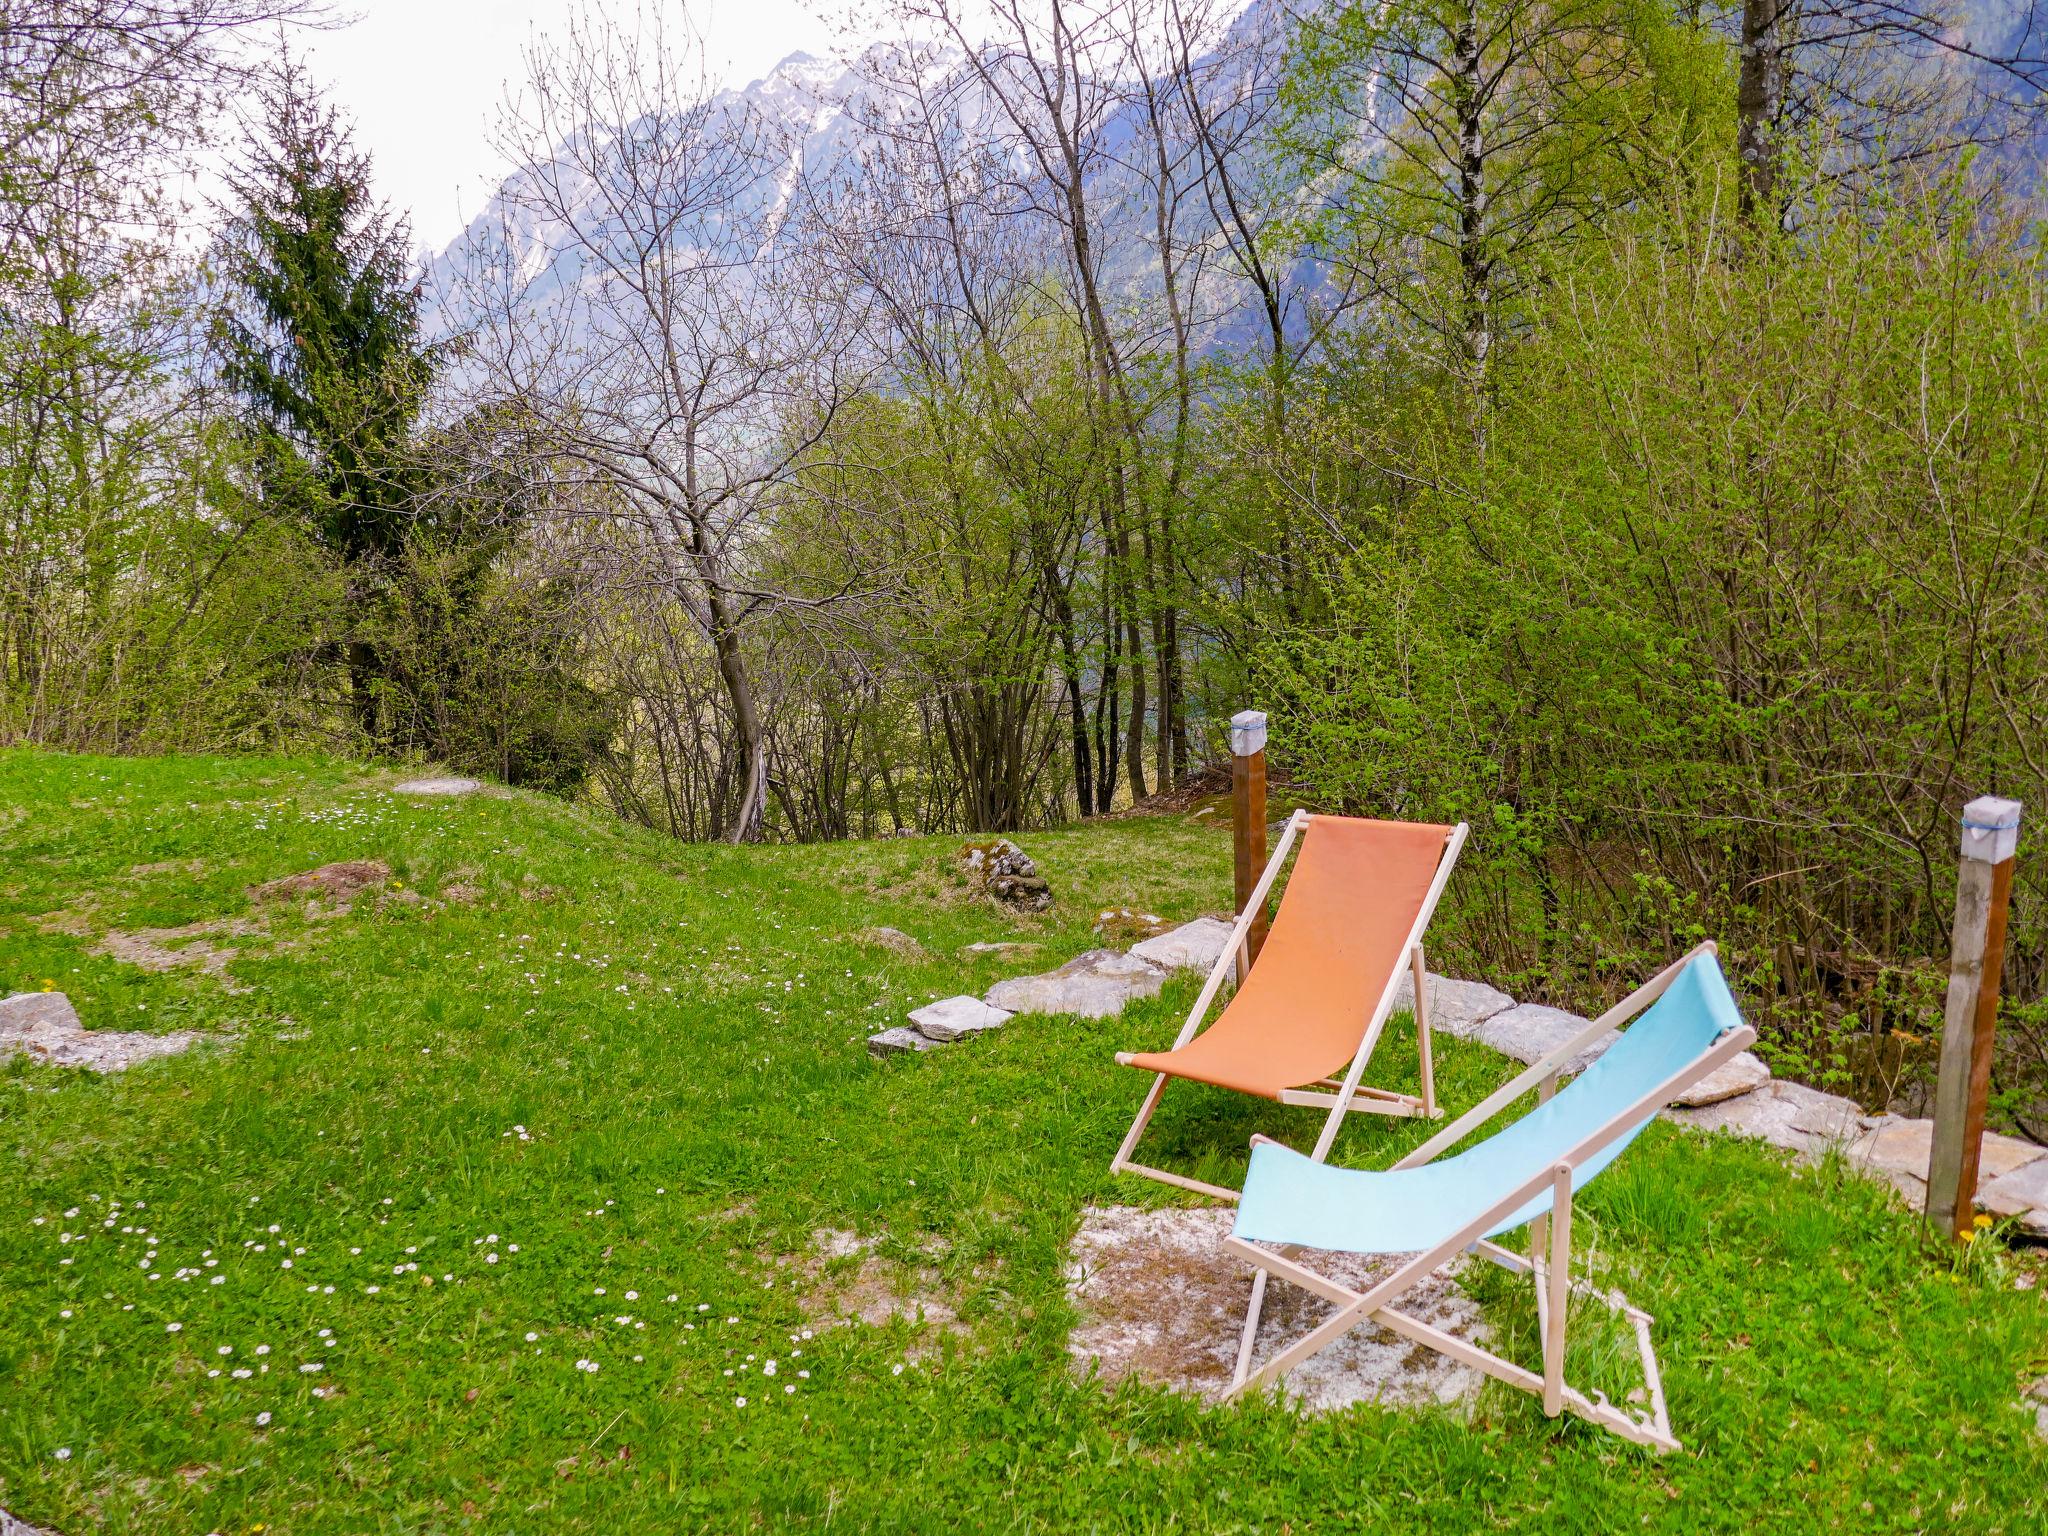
(422, 79)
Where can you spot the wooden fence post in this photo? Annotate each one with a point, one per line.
(1248, 814)
(1991, 834)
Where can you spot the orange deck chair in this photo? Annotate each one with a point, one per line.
(1353, 914)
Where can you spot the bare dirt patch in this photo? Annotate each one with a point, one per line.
(844, 1278)
(170, 867)
(894, 940)
(170, 949)
(1160, 1299)
(340, 882)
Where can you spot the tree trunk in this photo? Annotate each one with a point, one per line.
(1474, 263)
(364, 673)
(1134, 735)
(752, 804)
(1759, 93)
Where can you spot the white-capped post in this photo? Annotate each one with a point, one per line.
(1991, 835)
(1248, 816)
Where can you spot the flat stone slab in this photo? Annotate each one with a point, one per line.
(1788, 1115)
(951, 1017)
(10, 1525)
(1001, 948)
(1195, 946)
(1907, 1145)
(1093, 985)
(2021, 1191)
(447, 786)
(1739, 1074)
(2037, 1399)
(1160, 1299)
(45, 1027)
(1897, 1150)
(1456, 1008)
(899, 1039)
(1530, 1031)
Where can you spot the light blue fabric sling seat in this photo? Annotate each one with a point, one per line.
(1289, 1198)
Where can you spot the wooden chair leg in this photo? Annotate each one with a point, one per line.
(1424, 1064)
(1251, 1330)
(1558, 1284)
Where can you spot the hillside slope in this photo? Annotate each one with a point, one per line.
(496, 1170)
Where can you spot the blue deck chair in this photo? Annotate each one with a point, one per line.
(1522, 1175)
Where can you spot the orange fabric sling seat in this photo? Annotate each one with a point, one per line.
(1341, 934)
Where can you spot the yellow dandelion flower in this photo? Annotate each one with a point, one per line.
(49, 985)
(1983, 1221)
(1970, 1236)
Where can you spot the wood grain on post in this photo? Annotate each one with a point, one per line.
(1969, 1029)
(1248, 814)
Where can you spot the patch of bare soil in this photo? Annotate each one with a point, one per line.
(1161, 1299)
(844, 1279)
(170, 867)
(187, 947)
(339, 882)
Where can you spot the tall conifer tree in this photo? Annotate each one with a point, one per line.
(322, 343)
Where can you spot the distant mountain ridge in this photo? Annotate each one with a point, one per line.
(823, 105)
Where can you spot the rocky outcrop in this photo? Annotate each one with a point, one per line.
(1530, 1031)
(1456, 1008)
(440, 786)
(898, 1041)
(1006, 874)
(45, 1027)
(1093, 985)
(1195, 946)
(951, 1017)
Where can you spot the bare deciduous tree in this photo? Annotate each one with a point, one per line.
(655, 300)
(1894, 80)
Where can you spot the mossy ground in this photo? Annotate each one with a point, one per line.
(678, 1031)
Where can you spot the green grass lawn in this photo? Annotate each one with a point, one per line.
(455, 1142)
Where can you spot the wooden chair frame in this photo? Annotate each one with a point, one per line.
(1347, 1096)
(1548, 1261)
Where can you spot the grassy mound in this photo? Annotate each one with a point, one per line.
(504, 1184)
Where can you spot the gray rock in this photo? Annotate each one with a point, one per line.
(44, 1026)
(1001, 948)
(1789, 1115)
(898, 1039)
(1740, 1074)
(951, 1017)
(1456, 1008)
(1898, 1150)
(29, 1011)
(1530, 1031)
(11, 1525)
(2021, 1191)
(447, 786)
(1195, 946)
(1007, 873)
(1094, 985)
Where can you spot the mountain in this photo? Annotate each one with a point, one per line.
(827, 111)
